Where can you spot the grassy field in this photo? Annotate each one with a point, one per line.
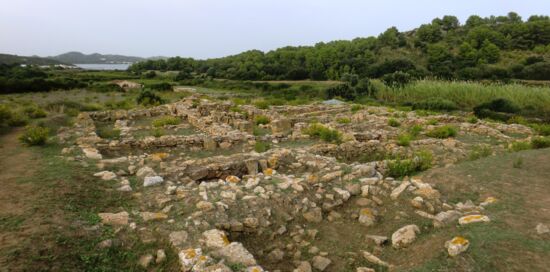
(467, 95)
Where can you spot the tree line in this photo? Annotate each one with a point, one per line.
(495, 47)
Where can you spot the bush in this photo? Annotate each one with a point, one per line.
(404, 139)
(261, 147)
(166, 121)
(355, 108)
(149, 98)
(158, 132)
(542, 129)
(324, 133)
(442, 132)
(34, 112)
(480, 151)
(163, 86)
(415, 130)
(432, 122)
(34, 135)
(437, 104)
(397, 80)
(540, 142)
(343, 120)
(17, 120)
(261, 120)
(473, 120)
(519, 146)
(106, 88)
(392, 122)
(420, 161)
(262, 104)
(108, 133)
(498, 109)
(5, 115)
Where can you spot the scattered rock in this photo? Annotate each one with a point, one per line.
(404, 236)
(320, 263)
(314, 216)
(152, 181)
(468, 219)
(161, 256)
(236, 253)
(105, 175)
(145, 260)
(457, 245)
(542, 228)
(114, 219)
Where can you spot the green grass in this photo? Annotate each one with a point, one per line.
(166, 121)
(442, 132)
(480, 151)
(261, 120)
(392, 122)
(70, 191)
(540, 142)
(467, 95)
(326, 134)
(404, 139)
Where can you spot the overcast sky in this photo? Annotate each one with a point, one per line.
(215, 28)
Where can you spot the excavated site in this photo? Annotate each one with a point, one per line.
(303, 204)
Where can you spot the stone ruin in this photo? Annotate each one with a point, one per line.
(222, 205)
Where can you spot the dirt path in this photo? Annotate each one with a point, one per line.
(25, 221)
(17, 199)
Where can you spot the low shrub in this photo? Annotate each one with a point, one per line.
(415, 130)
(437, 104)
(326, 134)
(519, 146)
(162, 87)
(17, 120)
(106, 88)
(499, 109)
(261, 120)
(34, 112)
(34, 135)
(420, 161)
(542, 129)
(540, 142)
(108, 133)
(473, 120)
(261, 147)
(397, 80)
(158, 132)
(343, 120)
(432, 122)
(149, 98)
(392, 122)
(404, 139)
(5, 115)
(262, 104)
(518, 162)
(480, 151)
(166, 121)
(442, 132)
(355, 108)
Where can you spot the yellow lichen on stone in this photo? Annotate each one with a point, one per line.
(268, 171)
(232, 179)
(190, 253)
(225, 240)
(459, 241)
(159, 156)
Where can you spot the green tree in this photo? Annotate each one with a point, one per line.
(440, 60)
(489, 52)
(467, 55)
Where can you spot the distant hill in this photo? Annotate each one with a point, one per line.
(34, 60)
(95, 58)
